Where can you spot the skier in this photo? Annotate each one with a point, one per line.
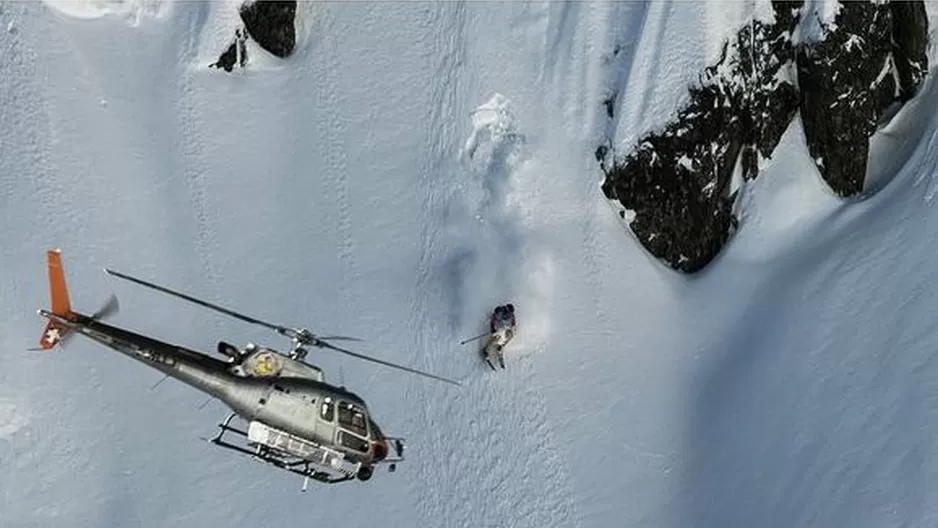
(502, 327)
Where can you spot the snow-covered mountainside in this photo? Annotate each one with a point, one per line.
(406, 167)
(853, 72)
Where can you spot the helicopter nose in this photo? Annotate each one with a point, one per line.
(380, 449)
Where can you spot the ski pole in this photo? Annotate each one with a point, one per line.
(480, 336)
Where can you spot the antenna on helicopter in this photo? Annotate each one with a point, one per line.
(298, 336)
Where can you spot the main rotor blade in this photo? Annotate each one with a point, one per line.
(389, 364)
(338, 338)
(200, 302)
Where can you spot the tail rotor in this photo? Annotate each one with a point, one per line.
(109, 308)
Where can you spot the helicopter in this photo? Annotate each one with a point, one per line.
(285, 413)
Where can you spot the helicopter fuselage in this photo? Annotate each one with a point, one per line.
(294, 420)
(306, 407)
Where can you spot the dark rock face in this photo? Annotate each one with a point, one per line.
(870, 61)
(910, 41)
(678, 182)
(270, 24)
(236, 53)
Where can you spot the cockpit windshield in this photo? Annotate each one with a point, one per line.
(352, 417)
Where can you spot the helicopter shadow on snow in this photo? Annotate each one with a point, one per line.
(483, 271)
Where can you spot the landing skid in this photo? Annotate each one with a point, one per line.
(318, 463)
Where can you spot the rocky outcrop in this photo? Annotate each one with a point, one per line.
(677, 187)
(677, 182)
(870, 60)
(271, 25)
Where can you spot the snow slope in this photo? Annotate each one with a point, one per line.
(411, 166)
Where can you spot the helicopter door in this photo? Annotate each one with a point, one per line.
(325, 418)
(353, 427)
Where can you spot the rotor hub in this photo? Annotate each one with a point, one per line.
(299, 353)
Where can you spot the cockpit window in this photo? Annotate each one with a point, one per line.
(353, 442)
(328, 410)
(352, 418)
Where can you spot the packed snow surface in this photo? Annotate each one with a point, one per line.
(409, 168)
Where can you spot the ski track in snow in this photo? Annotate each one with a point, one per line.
(512, 431)
(504, 434)
(447, 41)
(336, 159)
(193, 168)
(508, 425)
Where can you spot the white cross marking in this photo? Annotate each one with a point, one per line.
(53, 335)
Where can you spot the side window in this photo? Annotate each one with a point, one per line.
(328, 410)
(352, 418)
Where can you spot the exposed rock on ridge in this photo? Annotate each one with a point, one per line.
(677, 182)
(272, 24)
(870, 61)
(677, 187)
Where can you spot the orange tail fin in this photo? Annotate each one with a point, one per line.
(61, 305)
